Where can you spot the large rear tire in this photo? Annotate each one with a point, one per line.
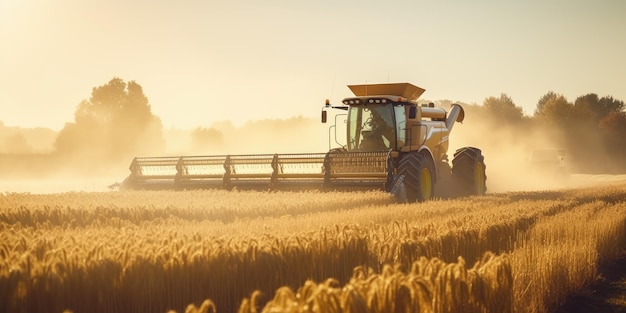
(419, 173)
(468, 170)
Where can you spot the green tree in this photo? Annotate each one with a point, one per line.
(17, 144)
(586, 110)
(554, 110)
(592, 108)
(608, 104)
(203, 139)
(115, 123)
(503, 108)
(613, 128)
(551, 95)
(592, 127)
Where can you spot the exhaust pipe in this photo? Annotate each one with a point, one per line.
(456, 114)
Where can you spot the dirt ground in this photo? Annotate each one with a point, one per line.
(606, 295)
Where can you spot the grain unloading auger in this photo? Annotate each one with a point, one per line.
(393, 144)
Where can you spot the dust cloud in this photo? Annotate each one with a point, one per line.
(506, 147)
(294, 135)
(95, 165)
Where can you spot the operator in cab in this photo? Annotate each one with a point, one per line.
(377, 134)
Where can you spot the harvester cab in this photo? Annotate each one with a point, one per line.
(387, 117)
(393, 144)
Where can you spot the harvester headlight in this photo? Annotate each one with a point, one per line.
(384, 100)
(371, 101)
(377, 101)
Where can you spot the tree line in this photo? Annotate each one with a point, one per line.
(116, 123)
(591, 129)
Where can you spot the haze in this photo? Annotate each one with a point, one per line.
(257, 70)
(201, 62)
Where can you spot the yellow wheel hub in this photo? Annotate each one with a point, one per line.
(479, 176)
(426, 183)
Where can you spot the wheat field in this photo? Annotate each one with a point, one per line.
(205, 251)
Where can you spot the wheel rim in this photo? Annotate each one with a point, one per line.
(426, 186)
(479, 176)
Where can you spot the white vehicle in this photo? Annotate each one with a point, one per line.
(549, 162)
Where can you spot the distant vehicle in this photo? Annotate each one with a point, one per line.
(549, 162)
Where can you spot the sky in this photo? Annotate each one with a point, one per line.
(205, 61)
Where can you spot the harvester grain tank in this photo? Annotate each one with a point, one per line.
(393, 144)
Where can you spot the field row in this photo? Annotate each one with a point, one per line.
(156, 251)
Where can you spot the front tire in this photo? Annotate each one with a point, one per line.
(468, 170)
(419, 175)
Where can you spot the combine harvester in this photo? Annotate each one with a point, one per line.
(393, 144)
